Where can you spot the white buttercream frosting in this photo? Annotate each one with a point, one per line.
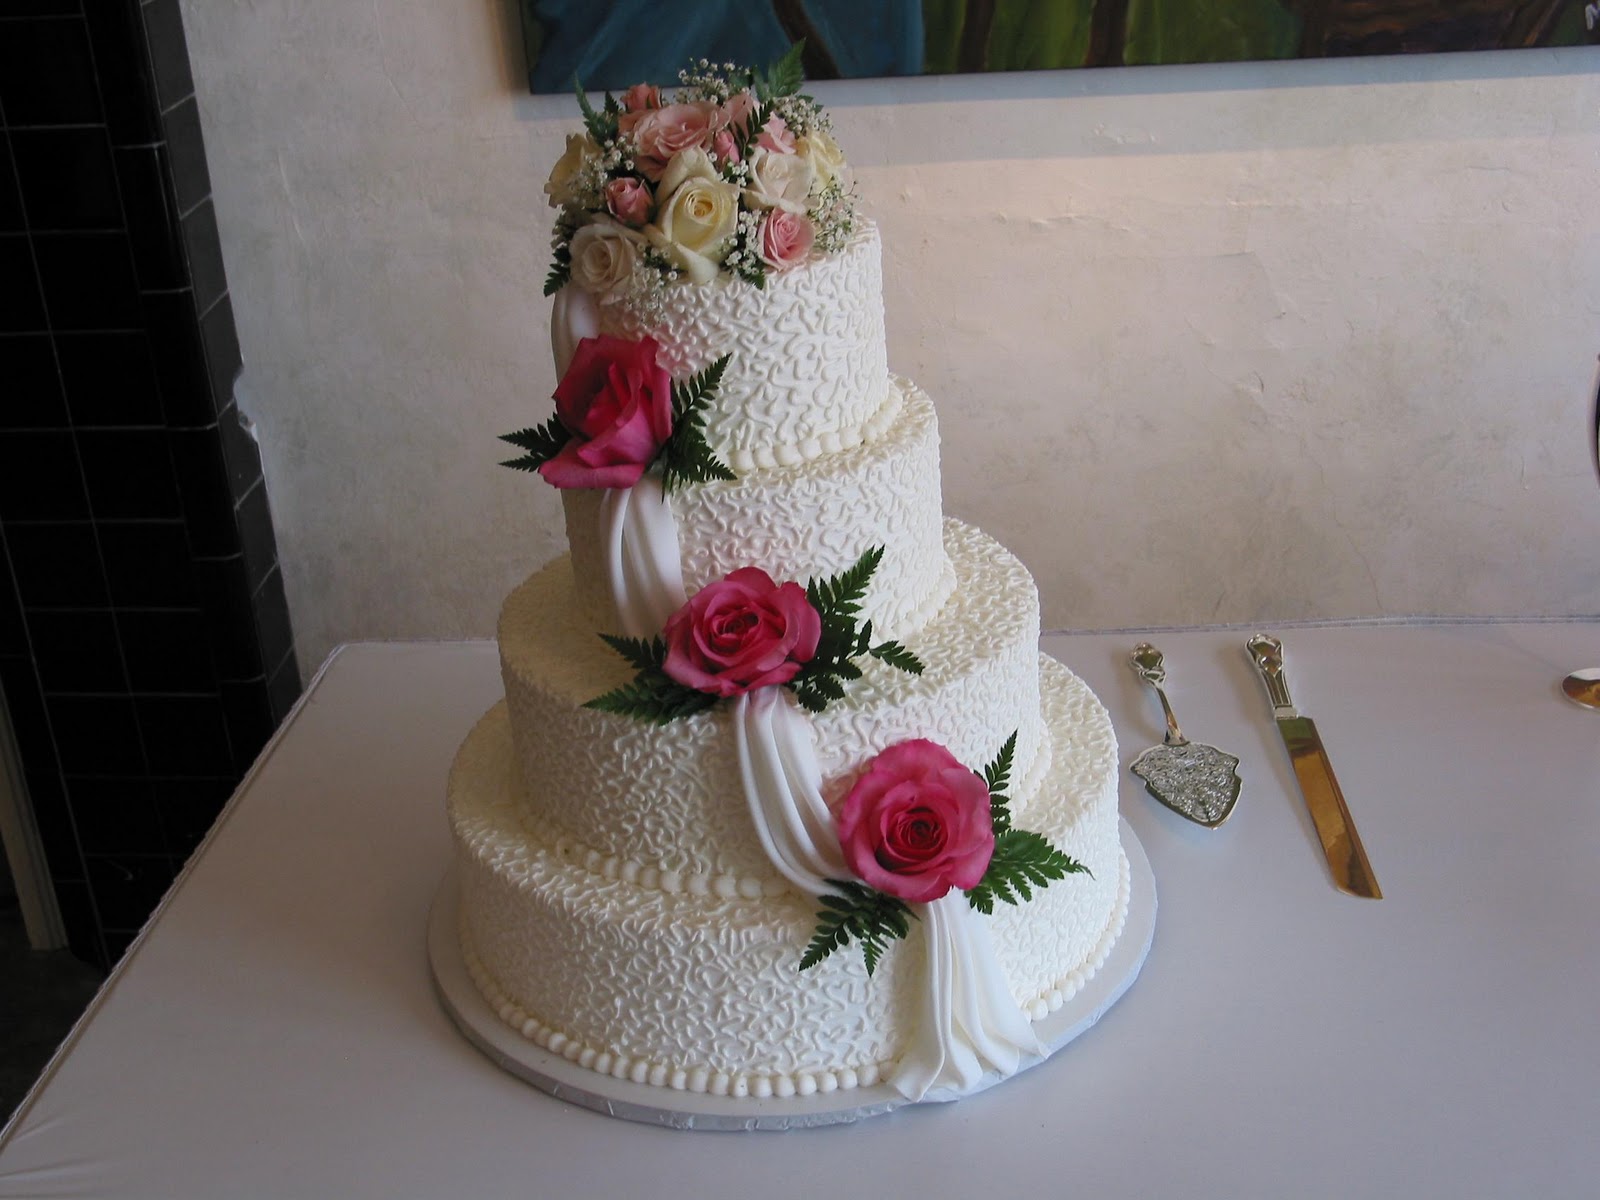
(669, 798)
(702, 992)
(808, 370)
(810, 521)
(637, 898)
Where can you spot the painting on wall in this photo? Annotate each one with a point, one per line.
(610, 46)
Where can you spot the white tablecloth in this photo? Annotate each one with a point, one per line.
(274, 1033)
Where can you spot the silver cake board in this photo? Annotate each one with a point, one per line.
(650, 1105)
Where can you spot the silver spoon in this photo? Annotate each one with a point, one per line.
(1194, 780)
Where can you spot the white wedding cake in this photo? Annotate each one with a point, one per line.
(766, 839)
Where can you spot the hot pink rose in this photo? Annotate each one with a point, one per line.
(786, 239)
(724, 146)
(617, 402)
(641, 96)
(741, 633)
(917, 823)
(629, 201)
(659, 133)
(775, 136)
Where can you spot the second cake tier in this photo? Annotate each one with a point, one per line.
(665, 803)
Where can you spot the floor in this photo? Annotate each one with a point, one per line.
(42, 993)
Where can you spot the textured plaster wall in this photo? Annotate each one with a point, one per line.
(1210, 344)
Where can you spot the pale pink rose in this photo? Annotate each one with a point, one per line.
(917, 823)
(629, 201)
(641, 96)
(738, 110)
(775, 136)
(725, 146)
(616, 401)
(660, 133)
(740, 633)
(786, 239)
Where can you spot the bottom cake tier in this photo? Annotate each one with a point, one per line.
(704, 992)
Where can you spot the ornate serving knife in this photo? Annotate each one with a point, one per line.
(1347, 858)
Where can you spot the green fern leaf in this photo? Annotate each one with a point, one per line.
(897, 655)
(1022, 861)
(870, 917)
(686, 458)
(542, 443)
(602, 127)
(642, 653)
(658, 701)
(784, 77)
(996, 776)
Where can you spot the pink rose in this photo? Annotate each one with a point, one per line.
(917, 823)
(738, 110)
(740, 633)
(629, 201)
(659, 133)
(775, 136)
(724, 147)
(617, 402)
(641, 96)
(786, 239)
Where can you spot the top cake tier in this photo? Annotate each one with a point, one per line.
(808, 373)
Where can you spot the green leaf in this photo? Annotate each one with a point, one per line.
(1022, 861)
(560, 273)
(897, 655)
(602, 127)
(870, 917)
(686, 458)
(843, 592)
(542, 443)
(644, 654)
(996, 776)
(656, 699)
(784, 77)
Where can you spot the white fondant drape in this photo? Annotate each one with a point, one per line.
(783, 787)
(574, 317)
(969, 1024)
(643, 567)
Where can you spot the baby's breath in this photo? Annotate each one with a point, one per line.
(645, 293)
(834, 215)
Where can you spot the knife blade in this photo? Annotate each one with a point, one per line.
(1347, 857)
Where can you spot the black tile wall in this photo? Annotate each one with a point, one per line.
(145, 648)
(109, 378)
(21, 301)
(67, 179)
(33, 397)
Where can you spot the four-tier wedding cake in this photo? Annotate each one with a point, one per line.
(782, 798)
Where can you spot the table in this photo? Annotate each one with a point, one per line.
(274, 1031)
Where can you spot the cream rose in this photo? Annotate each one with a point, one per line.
(778, 181)
(697, 212)
(824, 155)
(561, 186)
(604, 255)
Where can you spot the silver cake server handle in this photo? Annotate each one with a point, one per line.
(1196, 781)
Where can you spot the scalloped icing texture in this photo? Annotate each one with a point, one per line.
(668, 798)
(809, 522)
(702, 992)
(809, 371)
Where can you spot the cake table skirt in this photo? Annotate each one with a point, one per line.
(694, 1110)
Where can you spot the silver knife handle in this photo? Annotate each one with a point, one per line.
(1267, 653)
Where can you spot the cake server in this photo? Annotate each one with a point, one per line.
(1347, 858)
(1193, 780)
